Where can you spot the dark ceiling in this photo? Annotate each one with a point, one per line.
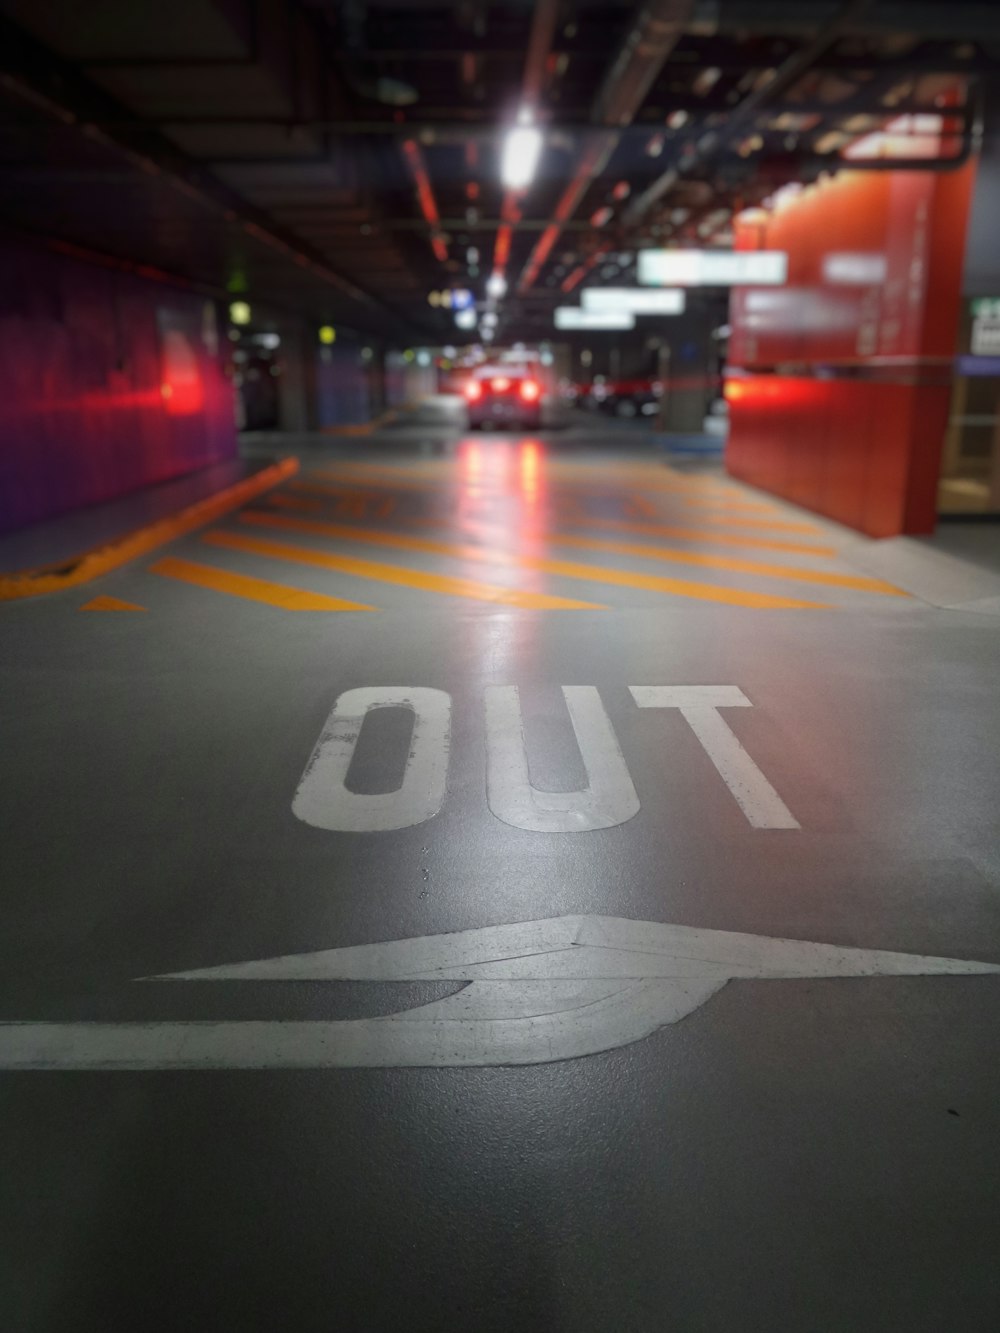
(342, 159)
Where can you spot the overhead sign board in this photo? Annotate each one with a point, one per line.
(575, 317)
(713, 268)
(634, 300)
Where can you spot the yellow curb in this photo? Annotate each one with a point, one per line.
(102, 559)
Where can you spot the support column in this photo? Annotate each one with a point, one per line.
(843, 377)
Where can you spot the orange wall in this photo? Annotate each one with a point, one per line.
(845, 403)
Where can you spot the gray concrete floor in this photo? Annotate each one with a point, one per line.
(809, 1153)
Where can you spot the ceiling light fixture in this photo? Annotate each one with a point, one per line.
(521, 151)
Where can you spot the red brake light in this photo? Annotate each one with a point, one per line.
(529, 391)
(500, 383)
(473, 390)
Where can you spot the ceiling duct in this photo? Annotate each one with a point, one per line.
(358, 66)
(657, 29)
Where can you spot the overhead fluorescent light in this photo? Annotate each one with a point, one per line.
(635, 300)
(520, 156)
(713, 268)
(574, 317)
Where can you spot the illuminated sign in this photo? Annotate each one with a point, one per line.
(634, 300)
(855, 269)
(713, 268)
(573, 317)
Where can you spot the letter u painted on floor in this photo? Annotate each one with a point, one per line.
(323, 799)
(609, 797)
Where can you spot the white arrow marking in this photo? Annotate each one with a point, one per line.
(539, 991)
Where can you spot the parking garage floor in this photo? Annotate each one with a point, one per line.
(504, 883)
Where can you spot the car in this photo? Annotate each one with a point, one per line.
(503, 395)
(625, 398)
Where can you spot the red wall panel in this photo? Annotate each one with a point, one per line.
(845, 405)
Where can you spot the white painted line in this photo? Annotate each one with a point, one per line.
(609, 797)
(698, 705)
(323, 799)
(539, 991)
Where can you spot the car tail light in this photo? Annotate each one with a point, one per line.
(473, 390)
(500, 384)
(529, 391)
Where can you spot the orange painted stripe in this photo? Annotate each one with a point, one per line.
(102, 559)
(368, 569)
(255, 590)
(794, 573)
(672, 533)
(562, 568)
(110, 604)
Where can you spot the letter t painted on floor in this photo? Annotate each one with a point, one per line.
(699, 705)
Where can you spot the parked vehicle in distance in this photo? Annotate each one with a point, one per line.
(624, 398)
(503, 395)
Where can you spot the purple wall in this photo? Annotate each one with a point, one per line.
(108, 382)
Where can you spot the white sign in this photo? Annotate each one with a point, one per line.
(713, 268)
(634, 300)
(985, 340)
(538, 991)
(855, 268)
(609, 799)
(573, 317)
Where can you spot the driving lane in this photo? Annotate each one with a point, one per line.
(733, 1065)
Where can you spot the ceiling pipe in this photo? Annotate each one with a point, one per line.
(741, 118)
(425, 197)
(44, 80)
(543, 26)
(791, 18)
(656, 31)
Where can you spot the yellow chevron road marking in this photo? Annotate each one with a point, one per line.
(255, 590)
(369, 569)
(564, 569)
(796, 574)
